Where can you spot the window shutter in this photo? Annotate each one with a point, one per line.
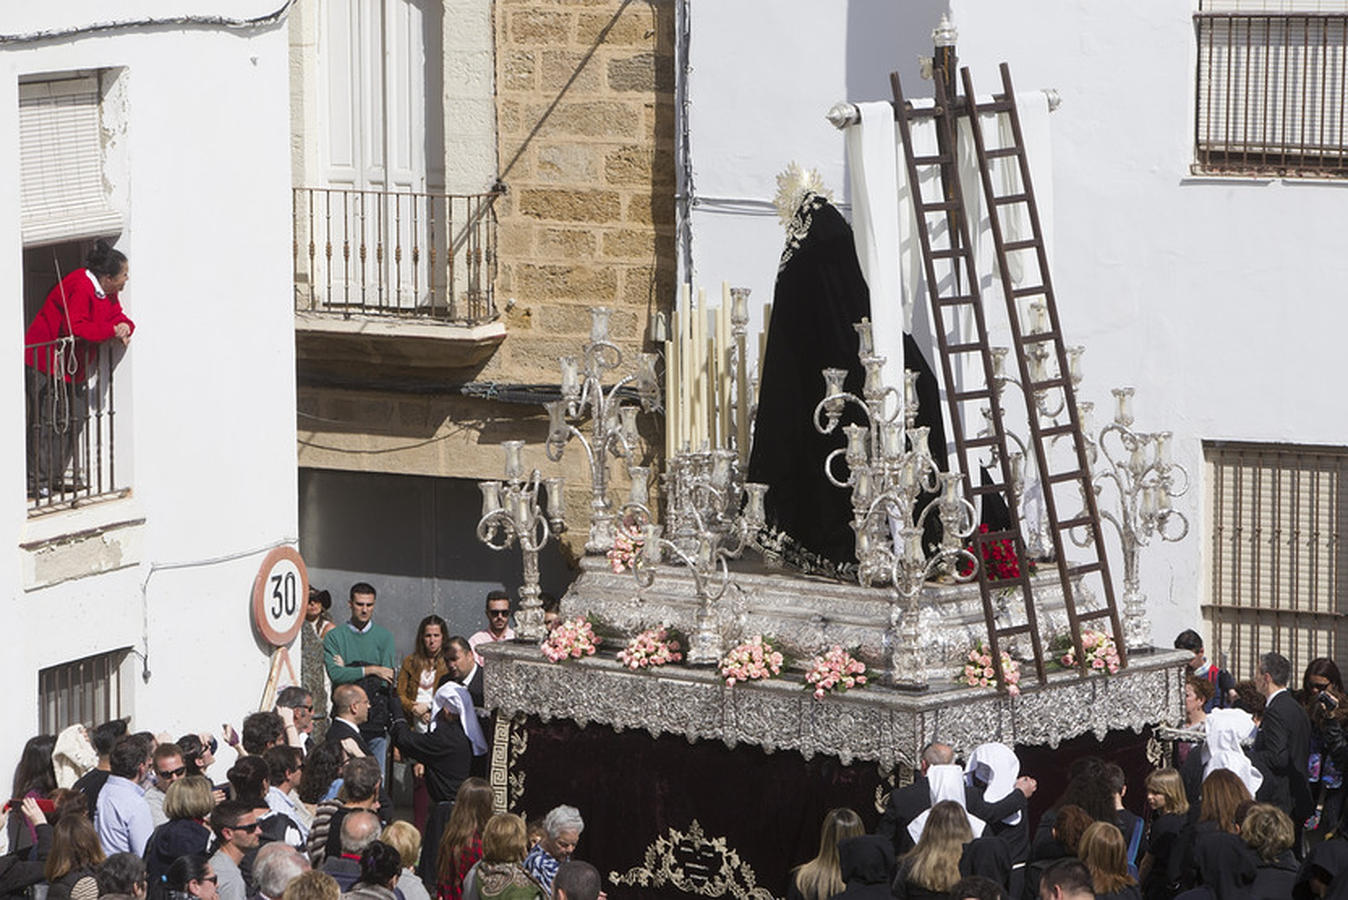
(61, 163)
(1277, 561)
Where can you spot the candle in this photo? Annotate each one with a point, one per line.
(491, 496)
(686, 367)
(856, 444)
(920, 438)
(556, 420)
(1123, 413)
(556, 498)
(651, 546)
(833, 389)
(720, 469)
(755, 513)
(1163, 449)
(648, 384)
(865, 338)
(861, 487)
(998, 360)
(1074, 363)
(638, 492)
(570, 377)
(599, 321)
(671, 398)
(874, 387)
(891, 438)
(514, 461)
(1162, 498)
(739, 314)
(1137, 460)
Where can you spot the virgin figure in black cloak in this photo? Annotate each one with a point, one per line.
(820, 293)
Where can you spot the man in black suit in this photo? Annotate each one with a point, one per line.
(1282, 746)
(464, 669)
(350, 708)
(907, 803)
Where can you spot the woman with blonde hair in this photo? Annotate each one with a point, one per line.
(930, 869)
(500, 874)
(404, 837)
(1106, 856)
(821, 877)
(1169, 806)
(461, 843)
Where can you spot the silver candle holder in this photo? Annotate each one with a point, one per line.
(889, 465)
(713, 516)
(511, 515)
(613, 424)
(1145, 481)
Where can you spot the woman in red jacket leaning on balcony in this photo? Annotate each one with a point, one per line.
(80, 313)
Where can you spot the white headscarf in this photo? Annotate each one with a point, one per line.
(998, 767)
(944, 783)
(455, 697)
(1222, 750)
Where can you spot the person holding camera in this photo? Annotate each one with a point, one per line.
(1322, 696)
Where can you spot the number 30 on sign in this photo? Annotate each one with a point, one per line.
(280, 593)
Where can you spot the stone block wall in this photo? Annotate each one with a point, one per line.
(585, 116)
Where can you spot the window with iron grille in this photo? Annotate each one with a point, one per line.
(87, 690)
(1272, 85)
(1278, 576)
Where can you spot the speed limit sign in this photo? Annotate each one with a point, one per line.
(280, 593)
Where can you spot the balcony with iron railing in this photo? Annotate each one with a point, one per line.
(401, 279)
(71, 436)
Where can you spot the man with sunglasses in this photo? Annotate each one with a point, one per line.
(498, 623)
(168, 766)
(236, 831)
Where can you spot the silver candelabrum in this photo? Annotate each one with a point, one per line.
(613, 424)
(1146, 481)
(889, 465)
(511, 514)
(705, 493)
(1049, 405)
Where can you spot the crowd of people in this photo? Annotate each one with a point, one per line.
(1251, 808)
(304, 812)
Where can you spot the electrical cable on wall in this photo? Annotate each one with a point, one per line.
(189, 564)
(171, 21)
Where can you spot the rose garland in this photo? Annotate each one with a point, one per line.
(836, 670)
(978, 670)
(571, 639)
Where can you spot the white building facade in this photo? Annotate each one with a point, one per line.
(1203, 266)
(131, 595)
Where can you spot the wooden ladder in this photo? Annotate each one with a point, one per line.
(1041, 435)
(949, 297)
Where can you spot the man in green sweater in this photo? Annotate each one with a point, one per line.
(359, 650)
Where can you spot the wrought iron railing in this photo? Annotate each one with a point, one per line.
(1272, 93)
(405, 254)
(71, 453)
